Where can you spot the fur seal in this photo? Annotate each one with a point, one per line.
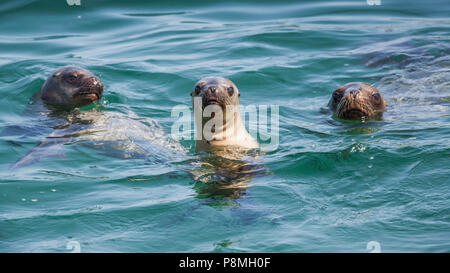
(70, 87)
(357, 100)
(232, 163)
(115, 133)
(218, 121)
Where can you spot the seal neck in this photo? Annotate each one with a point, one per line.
(217, 124)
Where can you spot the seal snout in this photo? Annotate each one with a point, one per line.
(97, 86)
(353, 114)
(91, 89)
(212, 90)
(210, 96)
(353, 106)
(354, 92)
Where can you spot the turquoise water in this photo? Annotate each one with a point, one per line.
(330, 186)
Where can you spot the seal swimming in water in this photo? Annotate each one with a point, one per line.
(357, 100)
(67, 88)
(122, 135)
(230, 162)
(219, 99)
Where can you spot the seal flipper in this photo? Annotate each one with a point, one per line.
(41, 151)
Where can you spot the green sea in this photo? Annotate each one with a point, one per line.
(329, 186)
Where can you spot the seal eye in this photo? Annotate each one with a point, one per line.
(72, 78)
(337, 96)
(376, 97)
(230, 91)
(197, 90)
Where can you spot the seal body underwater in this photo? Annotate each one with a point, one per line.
(227, 152)
(117, 134)
(356, 101)
(67, 88)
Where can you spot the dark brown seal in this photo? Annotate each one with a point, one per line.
(357, 100)
(71, 87)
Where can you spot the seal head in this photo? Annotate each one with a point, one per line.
(71, 87)
(216, 91)
(219, 122)
(357, 100)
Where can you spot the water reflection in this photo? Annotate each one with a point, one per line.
(226, 173)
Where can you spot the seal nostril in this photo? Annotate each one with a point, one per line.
(212, 90)
(96, 81)
(354, 92)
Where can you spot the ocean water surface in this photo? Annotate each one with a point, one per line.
(330, 186)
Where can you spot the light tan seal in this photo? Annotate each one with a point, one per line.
(357, 100)
(218, 119)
